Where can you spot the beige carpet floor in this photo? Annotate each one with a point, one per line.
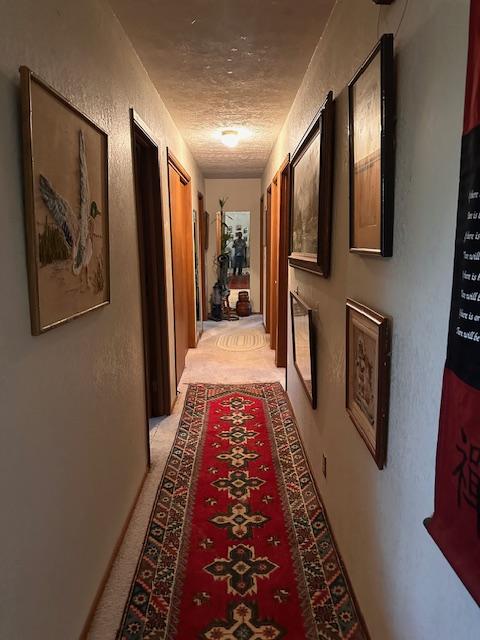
(206, 363)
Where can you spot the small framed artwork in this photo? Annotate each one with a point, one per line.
(311, 195)
(368, 376)
(66, 207)
(304, 354)
(371, 154)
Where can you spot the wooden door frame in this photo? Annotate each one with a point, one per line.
(268, 215)
(185, 178)
(274, 218)
(141, 133)
(282, 273)
(203, 230)
(261, 251)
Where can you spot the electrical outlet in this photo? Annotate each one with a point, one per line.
(324, 466)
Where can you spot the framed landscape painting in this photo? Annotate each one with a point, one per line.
(371, 152)
(66, 207)
(368, 351)
(303, 339)
(311, 195)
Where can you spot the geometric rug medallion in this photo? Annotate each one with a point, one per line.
(238, 546)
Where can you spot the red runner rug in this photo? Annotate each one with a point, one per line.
(239, 282)
(238, 546)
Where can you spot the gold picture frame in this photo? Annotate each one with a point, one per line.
(368, 353)
(66, 207)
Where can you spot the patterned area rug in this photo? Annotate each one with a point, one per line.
(242, 341)
(238, 546)
(239, 282)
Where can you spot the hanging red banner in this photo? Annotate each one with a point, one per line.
(455, 524)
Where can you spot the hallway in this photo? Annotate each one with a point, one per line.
(208, 362)
(311, 168)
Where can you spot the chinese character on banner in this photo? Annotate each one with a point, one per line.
(468, 476)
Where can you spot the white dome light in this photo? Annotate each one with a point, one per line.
(230, 138)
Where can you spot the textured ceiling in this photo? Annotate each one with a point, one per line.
(226, 64)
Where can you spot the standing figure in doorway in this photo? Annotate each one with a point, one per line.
(239, 253)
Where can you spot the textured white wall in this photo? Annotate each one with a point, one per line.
(405, 587)
(243, 195)
(72, 417)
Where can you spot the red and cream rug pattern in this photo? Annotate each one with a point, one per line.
(238, 546)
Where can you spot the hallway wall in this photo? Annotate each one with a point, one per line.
(405, 587)
(243, 195)
(72, 423)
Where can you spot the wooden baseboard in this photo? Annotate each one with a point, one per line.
(106, 576)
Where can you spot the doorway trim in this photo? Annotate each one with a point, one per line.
(268, 240)
(153, 312)
(190, 285)
(283, 251)
(274, 237)
(262, 231)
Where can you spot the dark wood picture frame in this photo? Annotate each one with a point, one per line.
(323, 126)
(377, 328)
(27, 80)
(311, 393)
(386, 82)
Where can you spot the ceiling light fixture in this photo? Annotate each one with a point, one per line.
(230, 134)
(230, 138)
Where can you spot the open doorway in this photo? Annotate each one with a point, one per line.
(152, 269)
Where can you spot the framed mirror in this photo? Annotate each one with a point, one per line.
(303, 338)
(235, 242)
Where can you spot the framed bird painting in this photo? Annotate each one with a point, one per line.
(66, 207)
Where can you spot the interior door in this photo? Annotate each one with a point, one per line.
(181, 224)
(152, 270)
